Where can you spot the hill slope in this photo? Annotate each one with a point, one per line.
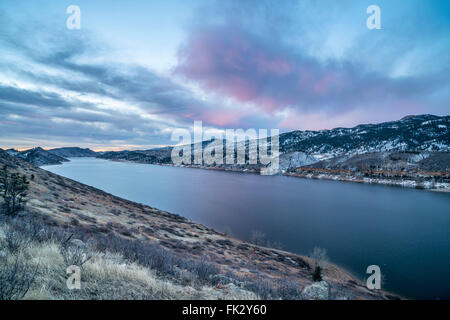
(412, 133)
(40, 157)
(136, 231)
(72, 152)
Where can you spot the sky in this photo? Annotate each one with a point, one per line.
(137, 70)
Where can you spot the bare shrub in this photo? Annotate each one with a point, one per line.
(288, 290)
(262, 288)
(275, 245)
(147, 253)
(74, 255)
(258, 237)
(319, 257)
(157, 258)
(28, 229)
(15, 279)
(15, 240)
(227, 231)
(203, 269)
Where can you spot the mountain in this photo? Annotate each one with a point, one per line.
(299, 148)
(393, 160)
(415, 148)
(39, 157)
(413, 151)
(152, 156)
(12, 152)
(72, 152)
(411, 133)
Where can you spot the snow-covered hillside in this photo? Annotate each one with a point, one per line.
(412, 133)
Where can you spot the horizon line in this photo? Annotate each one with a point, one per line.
(149, 147)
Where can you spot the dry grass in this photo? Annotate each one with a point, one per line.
(106, 275)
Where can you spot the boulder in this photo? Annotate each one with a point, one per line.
(317, 291)
(294, 160)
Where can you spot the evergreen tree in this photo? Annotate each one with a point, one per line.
(13, 191)
(317, 275)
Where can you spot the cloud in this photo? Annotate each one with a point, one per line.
(236, 63)
(56, 89)
(34, 98)
(243, 64)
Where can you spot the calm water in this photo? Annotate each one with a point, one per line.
(404, 231)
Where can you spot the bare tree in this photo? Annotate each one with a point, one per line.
(258, 238)
(319, 257)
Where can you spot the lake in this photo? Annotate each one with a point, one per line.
(406, 232)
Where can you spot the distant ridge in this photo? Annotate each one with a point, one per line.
(39, 157)
(72, 152)
(412, 133)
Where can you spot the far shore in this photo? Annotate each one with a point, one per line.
(445, 187)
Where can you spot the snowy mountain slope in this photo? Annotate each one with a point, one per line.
(412, 133)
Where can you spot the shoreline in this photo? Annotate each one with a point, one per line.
(334, 272)
(410, 184)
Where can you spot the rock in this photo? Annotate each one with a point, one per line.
(294, 160)
(2, 254)
(317, 291)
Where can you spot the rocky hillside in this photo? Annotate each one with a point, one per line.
(412, 133)
(152, 156)
(73, 152)
(411, 161)
(422, 170)
(425, 138)
(41, 157)
(143, 248)
(38, 156)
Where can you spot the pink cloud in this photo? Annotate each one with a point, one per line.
(237, 64)
(217, 117)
